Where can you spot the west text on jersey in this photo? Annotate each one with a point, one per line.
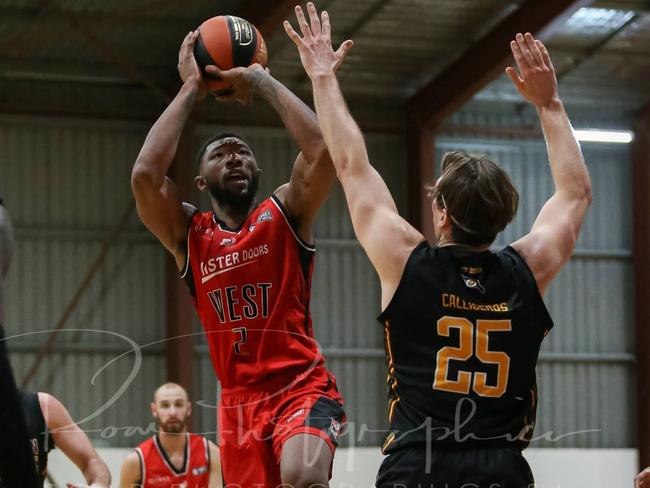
(241, 302)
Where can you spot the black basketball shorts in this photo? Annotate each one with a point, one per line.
(455, 468)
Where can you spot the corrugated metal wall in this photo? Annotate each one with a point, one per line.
(586, 371)
(66, 184)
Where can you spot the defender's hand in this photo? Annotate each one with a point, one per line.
(643, 480)
(536, 78)
(188, 68)
(315, 46)
(245, 82)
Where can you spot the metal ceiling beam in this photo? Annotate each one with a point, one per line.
(361, 22)
(98, 19)
(574, 94)
(96, 22)
(560, 52)
(483, 60)
(115, 102)
(61, 72)
(639, 6)
(108, 52)
(595, 49)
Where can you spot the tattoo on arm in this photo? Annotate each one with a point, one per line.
(267, 88)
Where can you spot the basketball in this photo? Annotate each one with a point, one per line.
(228, 42)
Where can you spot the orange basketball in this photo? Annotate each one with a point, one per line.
(228, 42)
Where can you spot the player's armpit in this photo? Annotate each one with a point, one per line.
(386, 237)
(310, 184)
(552, 239)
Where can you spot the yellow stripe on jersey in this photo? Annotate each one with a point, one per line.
(391, 379)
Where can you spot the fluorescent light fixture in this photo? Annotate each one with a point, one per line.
(596, 135)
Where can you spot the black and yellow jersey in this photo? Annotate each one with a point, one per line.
(462, 336)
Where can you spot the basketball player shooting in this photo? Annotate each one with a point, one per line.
(248, 266)
(463, 325)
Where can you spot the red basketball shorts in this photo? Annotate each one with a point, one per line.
(254, 425)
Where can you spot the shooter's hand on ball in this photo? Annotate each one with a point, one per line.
(315, 46)
(536, 78)
(246, 82)
(188, 69)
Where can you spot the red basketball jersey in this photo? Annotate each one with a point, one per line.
(158, 471)
(251, 288)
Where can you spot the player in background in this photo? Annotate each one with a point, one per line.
(463, 325)
(50, 426)
(16, 463)
(172, 457)
(248, 265)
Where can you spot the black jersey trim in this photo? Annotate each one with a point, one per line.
(231, 230)
(186, 267)
(143, 473)
(168, 462)
(383, 316)
(186, 273)
(285, 214)
(305, 251)
(224, 228)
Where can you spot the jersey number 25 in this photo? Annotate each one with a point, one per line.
(465, 351)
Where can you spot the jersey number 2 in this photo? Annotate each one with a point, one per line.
(465, 350)
(243, 337)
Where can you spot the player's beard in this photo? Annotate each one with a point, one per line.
(172, 427)
(224, 196)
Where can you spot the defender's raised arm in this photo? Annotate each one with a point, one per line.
(373, 211)
(555, 231)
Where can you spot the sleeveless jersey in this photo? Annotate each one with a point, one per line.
(39, 437)
(157, 471)
(462, 335)
(251, 288)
